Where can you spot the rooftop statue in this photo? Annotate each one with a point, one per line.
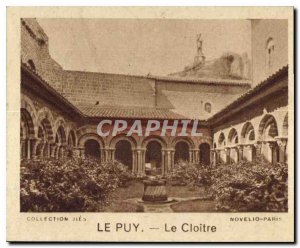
(199, 45)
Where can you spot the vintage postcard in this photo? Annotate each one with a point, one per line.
(150, 124)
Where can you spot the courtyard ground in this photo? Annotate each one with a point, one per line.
(124, 200)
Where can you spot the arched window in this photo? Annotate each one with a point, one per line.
(207, 107)
(31, 64)
(270, 49)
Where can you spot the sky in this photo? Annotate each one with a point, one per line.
(141, 46)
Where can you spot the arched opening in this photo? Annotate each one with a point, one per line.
(71, 139)
(71, 143)
(222, 155)
(26, 132)
(268, 128)
(47, 128)
(181, 152)
(270, 50)
(123, 153)
(42, 138)
(233, 137)
(207, 107)
(268, 131)
(92, 149)
(204, 154)
(248, 133)
(248, 137)
(61, 135)
(60, 139)
(221, 140)
(233, 140)
(31, 64)
(153, 158)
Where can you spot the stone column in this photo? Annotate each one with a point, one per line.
(29, 153)
(172, 159)
(143, 161)
(282, 142)
(272, 146)
(112, 153)
(240, 152)
(234, 151)
(257, 147)
(191, 156)
(52, 150)
(218, 155)
(169, 161)
(82, 152)
(102, 152)
(22, 148)
(133, 160)
(35, 144)
(227, 152)
(42, 144)
(48, 150)
(59, 150)
(107, 153)
(197, 155)
(63, 150)
(251, 148)
(163, 162)
(139, 162)
(213, 157)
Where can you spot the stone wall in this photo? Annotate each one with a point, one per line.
(35, 48)
(262, 30)
(189, 99)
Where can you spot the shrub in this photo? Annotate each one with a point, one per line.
(251, 186)
(192, 175)
(69, 184)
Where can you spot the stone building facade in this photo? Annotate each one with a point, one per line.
(60, 111)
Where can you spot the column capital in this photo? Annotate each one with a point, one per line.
(140, 149)
(78, 148)
(271, 143)
(281, 141)
(168, 149)
(257, 145)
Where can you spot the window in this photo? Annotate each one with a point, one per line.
(270, 48)
(31, 64)
(207, 107)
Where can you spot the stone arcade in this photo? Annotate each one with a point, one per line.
(239, 118)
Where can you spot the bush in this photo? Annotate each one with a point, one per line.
(69, 184)
(192, 175)
(251, 186)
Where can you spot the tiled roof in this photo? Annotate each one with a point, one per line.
(130, 112)
(48, 87)
(250, 93)
(203, 80)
